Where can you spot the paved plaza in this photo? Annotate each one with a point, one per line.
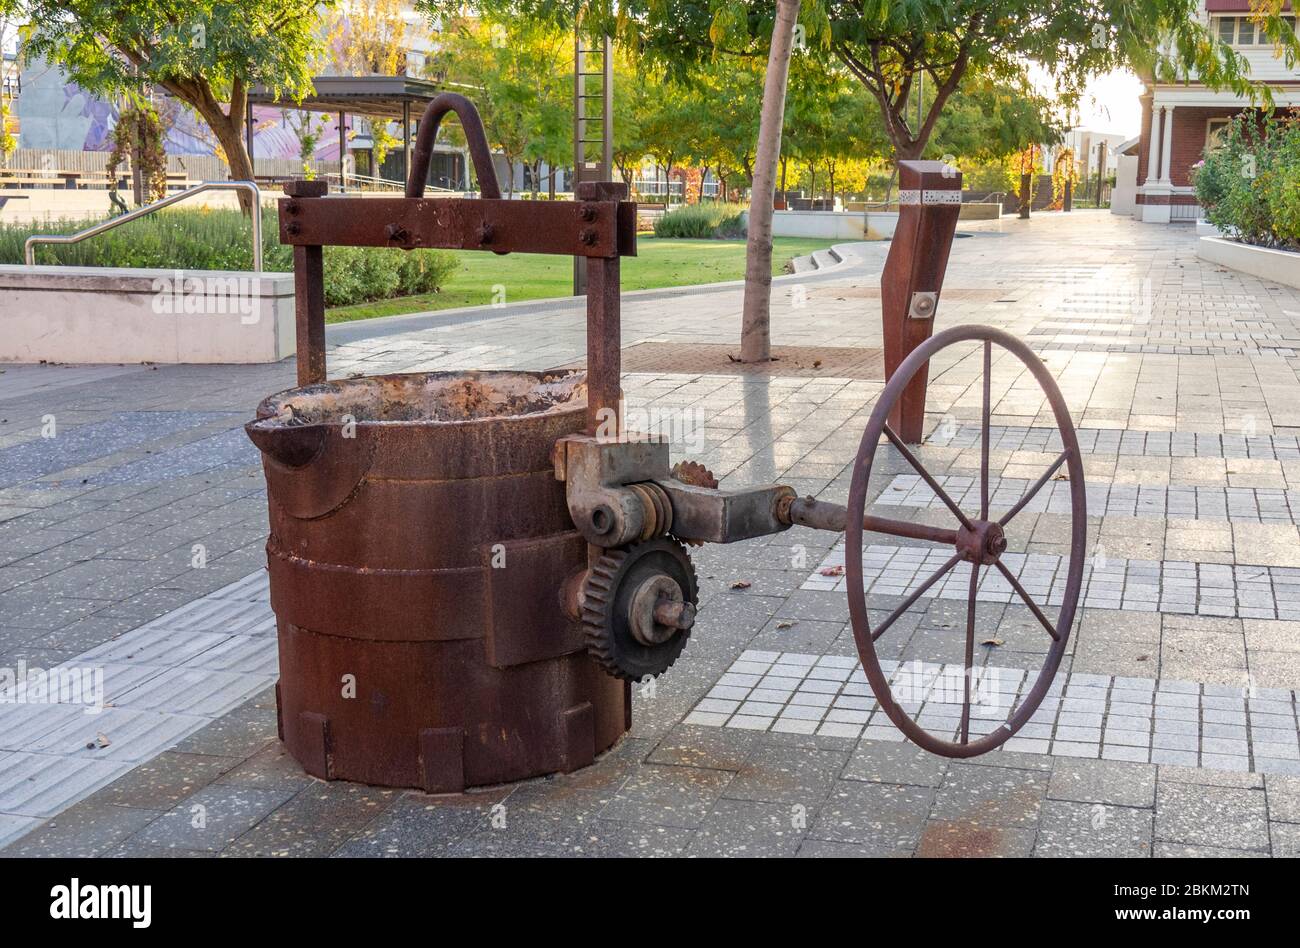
(133, 522)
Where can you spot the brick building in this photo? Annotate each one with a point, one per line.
(1179, 120)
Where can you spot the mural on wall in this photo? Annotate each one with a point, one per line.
(55, 113)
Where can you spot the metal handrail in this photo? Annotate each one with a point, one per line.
(29, 246)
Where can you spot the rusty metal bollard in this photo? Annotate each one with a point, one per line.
(929, 199)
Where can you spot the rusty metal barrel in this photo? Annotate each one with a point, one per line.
(419, 543)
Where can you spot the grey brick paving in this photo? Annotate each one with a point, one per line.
(1177, 721)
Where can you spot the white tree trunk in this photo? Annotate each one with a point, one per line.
(755, 332)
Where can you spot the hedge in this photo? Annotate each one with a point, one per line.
(704, 220)
(1249, 183)
(219, 240)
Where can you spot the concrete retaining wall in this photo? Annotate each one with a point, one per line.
(832, 225)
(1279, 266)
(93, 314)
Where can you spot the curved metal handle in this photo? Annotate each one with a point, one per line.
(474, 135)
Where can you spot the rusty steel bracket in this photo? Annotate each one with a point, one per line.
(929, 202)
(602, 477)
(615, 488)
(713, 515)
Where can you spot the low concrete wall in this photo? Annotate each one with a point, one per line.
(832, 225)
(1277, 266)
(980, 211)
(94, 314)
(881, 224)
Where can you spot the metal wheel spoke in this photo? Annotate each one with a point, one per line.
(1038, 485)
(939, 492)
(1033, 606)
(970, 650)
(984, 434)
(917, 594)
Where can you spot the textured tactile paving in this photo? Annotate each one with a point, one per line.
(1219, 727)
(1250, 504)
(1169, 586)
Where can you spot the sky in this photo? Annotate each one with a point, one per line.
(1109, 103)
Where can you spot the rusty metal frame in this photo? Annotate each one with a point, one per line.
(598, 225)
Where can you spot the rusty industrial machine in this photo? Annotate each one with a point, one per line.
(468, 569)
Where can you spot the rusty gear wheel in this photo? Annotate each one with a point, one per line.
(638, 606)
(696, 475)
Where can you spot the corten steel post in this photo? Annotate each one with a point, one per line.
(929, 199)
(308, 286)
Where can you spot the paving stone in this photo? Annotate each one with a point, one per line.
(995, 796)
(949, 839)
(896, 764)
(211, 818)
(736, 828)
(791, 775)
(161, 783)
(83, 830)
(667, 796)
(1093, 830)
(1211, 816)
(416, 826)
(1103, 781)
(885, 819)
(315, 821)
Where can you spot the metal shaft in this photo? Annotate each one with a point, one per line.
(823, 515)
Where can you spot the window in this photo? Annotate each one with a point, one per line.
(1215, 131)
(1241, 31)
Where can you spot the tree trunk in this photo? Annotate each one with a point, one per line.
(756, 320)
(229, 132)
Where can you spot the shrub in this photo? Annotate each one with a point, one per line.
(702, 221)
(219, 240)
(1249, 183)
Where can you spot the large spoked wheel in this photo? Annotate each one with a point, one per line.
(979, 540)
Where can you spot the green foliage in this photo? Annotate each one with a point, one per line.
(522, 77)
(205, 53)
(709, 219)
(219, 240)
(888, 45)
(1249, 183)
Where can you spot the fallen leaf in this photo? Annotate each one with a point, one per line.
(832, 571)
(1063, 476)
(817, 363)
(1143, 658)
(102, 739)
(992, 642)
(740, 584)
(786, 625)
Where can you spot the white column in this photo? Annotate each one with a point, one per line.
(1153, 146)
(1167, 151)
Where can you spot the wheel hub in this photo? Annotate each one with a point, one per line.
(983, 542)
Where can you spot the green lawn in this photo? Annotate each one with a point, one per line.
(658, 263)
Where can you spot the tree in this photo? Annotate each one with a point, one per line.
(524, 73)
(373, 39)
(208, 56)
(755, 320)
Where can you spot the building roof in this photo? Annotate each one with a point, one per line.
(363, 95)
